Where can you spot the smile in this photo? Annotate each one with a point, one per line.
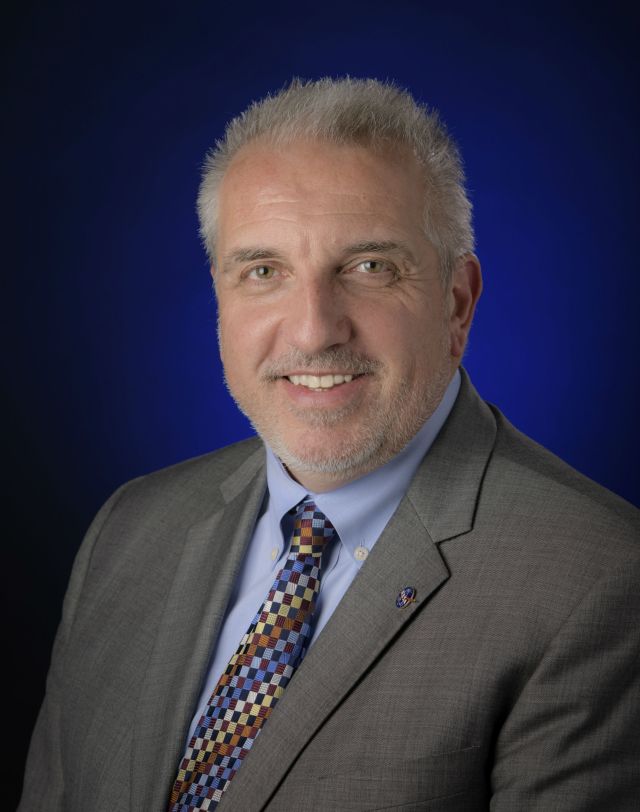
(319, 381)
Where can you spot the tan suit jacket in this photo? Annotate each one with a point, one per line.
(512, 683)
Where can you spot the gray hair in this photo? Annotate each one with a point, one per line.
(353, 111)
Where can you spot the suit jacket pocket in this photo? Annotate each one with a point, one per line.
(389, 782)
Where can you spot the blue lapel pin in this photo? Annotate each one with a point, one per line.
(405, 597)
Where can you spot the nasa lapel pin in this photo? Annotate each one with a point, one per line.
(405, 597)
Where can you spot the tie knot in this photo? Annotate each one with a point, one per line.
(312, 531)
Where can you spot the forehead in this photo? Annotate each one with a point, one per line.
(318, 185)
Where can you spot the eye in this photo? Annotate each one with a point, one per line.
(376, 272)
(372, 266)
(262, 272)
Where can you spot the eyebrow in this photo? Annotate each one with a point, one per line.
(378, 247)
(250, 255)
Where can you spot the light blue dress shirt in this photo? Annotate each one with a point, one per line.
(359, 511)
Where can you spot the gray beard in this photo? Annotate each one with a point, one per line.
(377, 439)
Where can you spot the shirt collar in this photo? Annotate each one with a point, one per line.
(361, 509)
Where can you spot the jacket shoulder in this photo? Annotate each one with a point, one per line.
(536, 486)
(197, 484)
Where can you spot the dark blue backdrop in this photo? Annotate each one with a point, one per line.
(111, 367)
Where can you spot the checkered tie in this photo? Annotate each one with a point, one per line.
(259, 671)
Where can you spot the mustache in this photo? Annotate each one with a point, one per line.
(347, 361)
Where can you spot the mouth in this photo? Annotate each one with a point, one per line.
(316, 382)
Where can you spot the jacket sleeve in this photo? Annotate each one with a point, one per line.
(44, 780)
(572, 739)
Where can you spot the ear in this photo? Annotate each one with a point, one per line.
(465, 288)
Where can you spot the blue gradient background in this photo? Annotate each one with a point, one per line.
(111, 367)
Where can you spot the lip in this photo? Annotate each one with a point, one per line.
(338, 395)
(320, 372)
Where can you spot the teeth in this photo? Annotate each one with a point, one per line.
(320, 381)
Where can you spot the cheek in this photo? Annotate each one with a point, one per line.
(416, 350)
(246, 337)
(398, 338)
(232, 341)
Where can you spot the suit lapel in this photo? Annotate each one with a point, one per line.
(440, 504)
(209, 565)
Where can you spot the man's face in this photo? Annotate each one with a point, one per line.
(336, 335)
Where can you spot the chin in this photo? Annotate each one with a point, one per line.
(356, 456)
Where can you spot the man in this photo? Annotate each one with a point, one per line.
(396, 601)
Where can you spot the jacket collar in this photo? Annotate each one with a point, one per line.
(445, 489)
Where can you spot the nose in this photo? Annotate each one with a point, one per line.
(317, 319)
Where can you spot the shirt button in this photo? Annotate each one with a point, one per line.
(274, 553)
(360, 553)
